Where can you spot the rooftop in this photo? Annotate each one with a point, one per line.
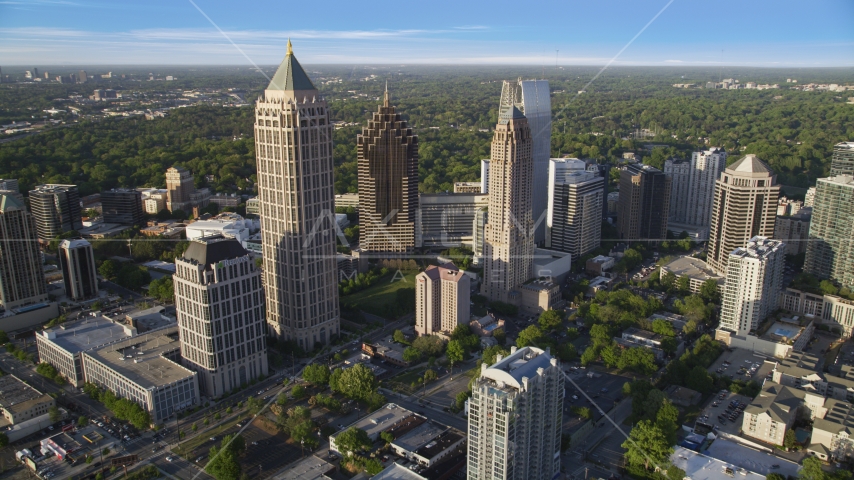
(839, 418)
(213, 249)
(758, 248)
(17, 395)
(752, 460)
(701, 467)
(749, 164)
(692, 268)
(419, 437)
(141, 359)
(381, 420)
(521, 363)
(309, 468)
(777, 401)
(86, 334)
(637, 332)
(290, 75)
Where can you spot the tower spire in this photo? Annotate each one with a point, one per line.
(290, 47)
(385, 96)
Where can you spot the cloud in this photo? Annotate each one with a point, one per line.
(673, 61)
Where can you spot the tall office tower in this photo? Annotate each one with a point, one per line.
(293, 145)
(575, 214)
(179, 187)
(644, 203)
(10, 184)
(793, 230)
(77, 261)
(387, 156)
(35, 72)
(679, 172)
(754, 278)
(442, 296)
(533, 99)
(122, 206)
(82, 77)
(484, 176)
(604, 171)
(842, 162)
(830, 251)
(56, 209)
(220, 308)
(515, 418)
(21, 274)
(508, 234)
(481, 216)
(745, 206)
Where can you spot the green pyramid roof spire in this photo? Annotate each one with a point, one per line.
(290, 76)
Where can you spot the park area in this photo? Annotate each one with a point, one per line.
(389, 296)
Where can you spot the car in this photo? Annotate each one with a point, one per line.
(199, 460)
(255, 443)
(213, 439)
(340, 425)
(50, 428)
(168, 459)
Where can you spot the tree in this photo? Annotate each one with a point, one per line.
(647, 445)
(667, 420)
(663, 327)
(583, 412)
(812, 469)
(675, 473)
(352, 441)
(253, 405)
(105, 451)
(700, 380)
(828, 288)
(429, 345)
(411, 354)
(387, 437)
(455, 352)
(683, 284)
(529, 336)
(709, 291)
(357, 382)
(500, 336)
(4, 440)
(430, 375)
(600, 334)
(790, 441)
(162, 289)
(774, 476)
(399, 337)
(669, 345)
(298, 392)
(82, 421)
(109, 269)
(490, 353)
(224, 463)
(316, 374)
(55, 416)
(4, 339)
(299, 426)
(550, 320)
(194, 427)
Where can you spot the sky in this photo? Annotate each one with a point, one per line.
(761, 33)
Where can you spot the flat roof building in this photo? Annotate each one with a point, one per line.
(56, 210)
(697, 271)
(389, 417)
(146, 370)
(123, 206)
(20, 402)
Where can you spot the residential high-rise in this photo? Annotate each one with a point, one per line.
(809, 197)
(574, 221)
(842, 162)
(793, 230)
(10, 184)
(56, 209)
(122, 206)
(508, 234)
(830, 251)
(219, 303)
(754, 279)
(77, 261)
(387, 156)
(484, 176)
(515, 418)
(179, 187)
(604, 171)
(442, 296)
(21, 274)
(533, 99)
(693, 186)
(644, 204)
(745, 206)
(293, 147)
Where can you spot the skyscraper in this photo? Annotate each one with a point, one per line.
(56, 209)
(574, 221)
(387, 153)
(754, 278)
(508, 234)
(293, 147)
(515, 418)
(842, 162)
(122, 206)
(533, 99)
(77, 261)
(220, 309)
(830, 250)
(442, 296)
(693, 186)
(745, 206)
(21, 274)
(179, 188)
(644, 203)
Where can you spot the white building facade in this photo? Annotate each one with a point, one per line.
(754, 279)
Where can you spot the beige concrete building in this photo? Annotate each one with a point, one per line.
(772, 413)
(833, 434)
(467, 187)
(509, 233)
(745, 206)
(794, 230)
(179, 187)
(387, 157)
(754, 278)
(219, 303)
(831, 310)
(697, 271)
(293, 148)
(536, 296)
(442, 299)
(20, 402)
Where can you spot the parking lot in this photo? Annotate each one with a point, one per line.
(603, 388)
(724, 412)
(741, 364)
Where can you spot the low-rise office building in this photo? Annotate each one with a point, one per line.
(145, 369)
(697, 271)
(428, 443)
(20, 402)
(536, 296)
(390, 417)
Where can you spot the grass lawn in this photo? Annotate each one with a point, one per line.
(375, 298)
